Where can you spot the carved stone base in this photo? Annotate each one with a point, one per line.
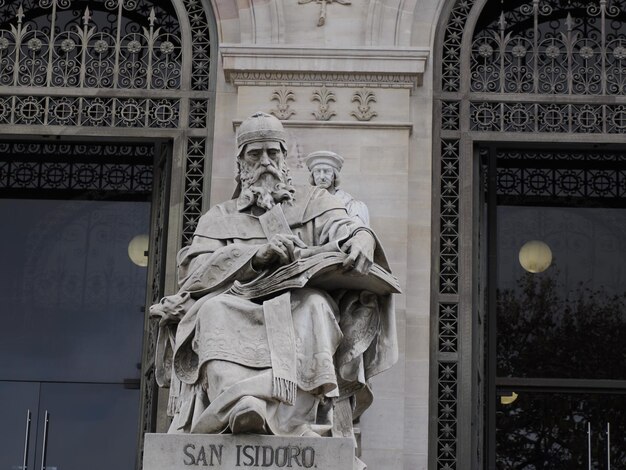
(232, 452)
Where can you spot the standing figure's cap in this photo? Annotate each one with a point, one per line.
(324, 156)
(259, 127)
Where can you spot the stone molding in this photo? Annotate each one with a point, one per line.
(372, 66)
(310, 124)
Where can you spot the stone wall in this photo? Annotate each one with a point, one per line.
(274, 57)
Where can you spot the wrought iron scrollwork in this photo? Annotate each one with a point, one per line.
(448, 328)
(78, 168)
(51, 45)
(449, 218)
(447, 313)
(581, 118)
(451, 52)
(447, 421)
(194, 186)
(201, 46)
(534, 67)
(552, 47)
(450, 115)
(90, 112)
(561, 176)
(116, 65)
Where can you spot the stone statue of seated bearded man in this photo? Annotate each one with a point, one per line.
(295, 362)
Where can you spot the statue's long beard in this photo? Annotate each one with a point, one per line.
(265, 186)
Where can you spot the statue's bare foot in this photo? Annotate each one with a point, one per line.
(248, 416)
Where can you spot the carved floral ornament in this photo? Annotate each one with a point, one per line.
(364, 98)
(283, 96)
(324, 97)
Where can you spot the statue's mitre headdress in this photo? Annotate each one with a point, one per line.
(326, 157)
(260, 127)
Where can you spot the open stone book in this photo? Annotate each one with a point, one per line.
(324, 271)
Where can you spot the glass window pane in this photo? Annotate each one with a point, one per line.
(73, 296)
(548, 431)
(93, 423)
(18, 398)
(568, 321)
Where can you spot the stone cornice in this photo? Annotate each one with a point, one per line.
(310, 124)
(367, 66)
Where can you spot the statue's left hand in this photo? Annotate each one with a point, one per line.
(360, 249)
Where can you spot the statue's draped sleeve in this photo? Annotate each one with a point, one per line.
(207, 267)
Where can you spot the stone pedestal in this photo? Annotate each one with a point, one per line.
(243, 451)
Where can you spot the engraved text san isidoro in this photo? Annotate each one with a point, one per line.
(289, 456)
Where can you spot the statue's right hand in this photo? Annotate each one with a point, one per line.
(280, 248)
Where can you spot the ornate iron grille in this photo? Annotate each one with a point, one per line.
(158, 240)
(130, 51)
(97, 44)
(451, 45)
(71, 170)
(113, 68)
(515, 70)
(194, 183)
(449, 205)
(551, 47)
(553, 177)
(581, 118)
(90, 112)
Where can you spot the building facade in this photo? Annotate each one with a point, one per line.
(468, 127)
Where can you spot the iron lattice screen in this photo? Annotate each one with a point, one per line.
(76, 170)
(518, 71)
(561, 178)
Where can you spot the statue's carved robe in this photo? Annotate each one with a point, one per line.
(354, 207)
(220, 351)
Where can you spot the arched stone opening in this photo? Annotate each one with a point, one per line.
(111, 73)
(544, 74)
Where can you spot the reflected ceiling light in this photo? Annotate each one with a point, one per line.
(535, 256)
(138, 249)
(508, 399)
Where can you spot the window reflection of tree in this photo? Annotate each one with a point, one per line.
(549, 432)
(542, 333)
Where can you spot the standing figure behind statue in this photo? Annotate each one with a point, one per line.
(325, 167)
(279, 364)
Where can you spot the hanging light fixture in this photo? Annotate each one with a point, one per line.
(535, 256)
(138, 250)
